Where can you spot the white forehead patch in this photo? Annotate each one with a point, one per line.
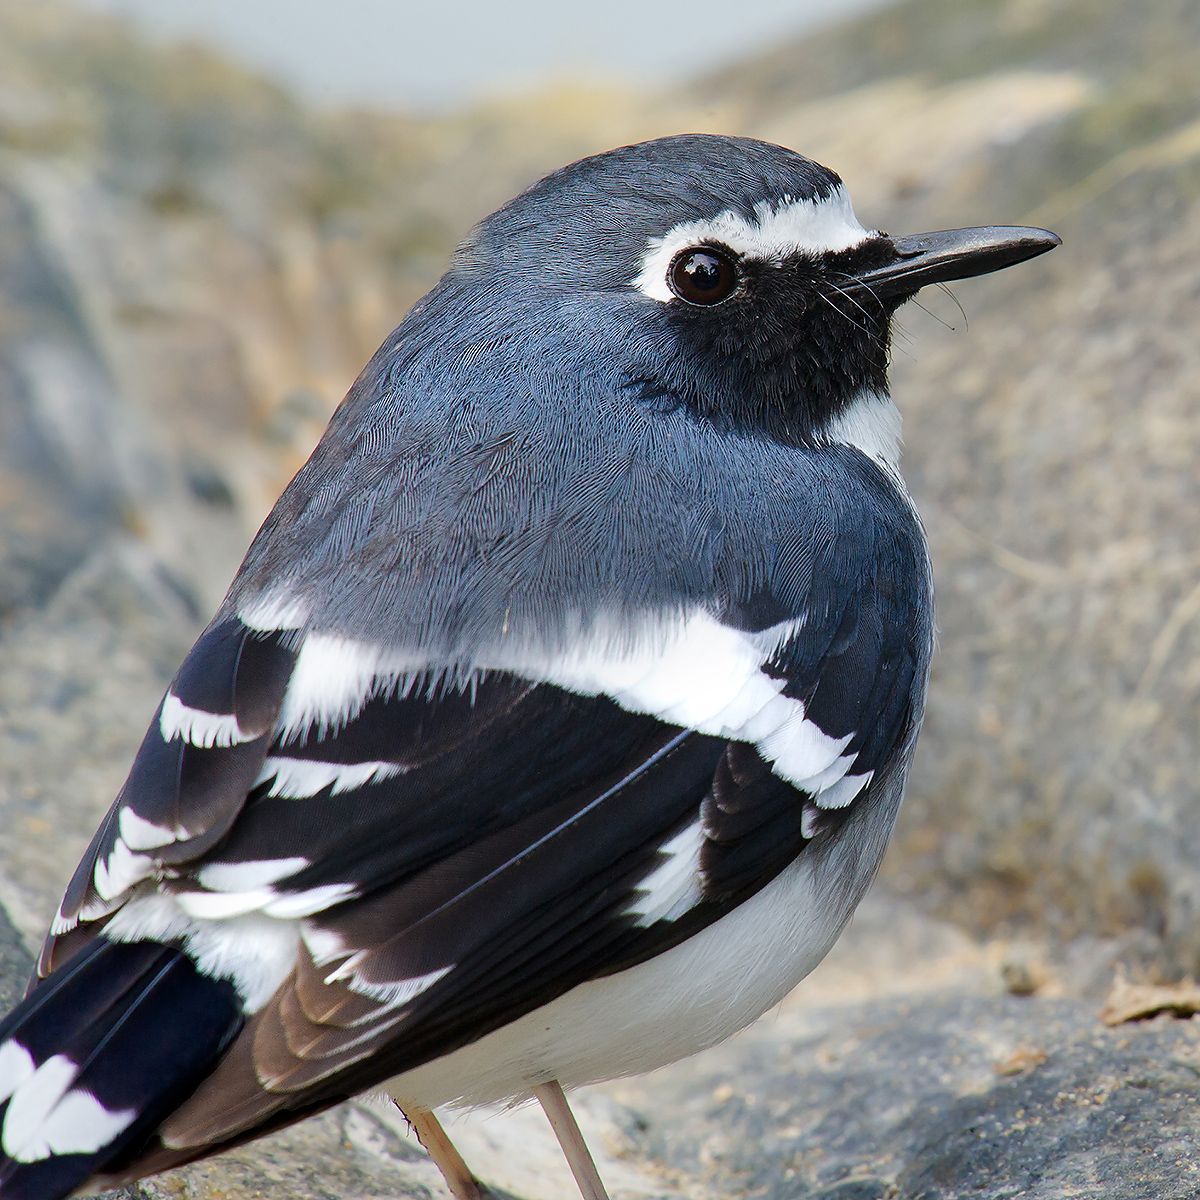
(777, 231)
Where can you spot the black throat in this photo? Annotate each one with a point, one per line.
(789, 351)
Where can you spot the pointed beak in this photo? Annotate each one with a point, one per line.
(926, 258)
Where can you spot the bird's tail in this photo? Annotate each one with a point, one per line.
(98, 1055)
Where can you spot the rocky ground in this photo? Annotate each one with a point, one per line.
(192, 270)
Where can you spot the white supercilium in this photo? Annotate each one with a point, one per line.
(777, 231)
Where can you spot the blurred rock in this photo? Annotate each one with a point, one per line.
(1133, 1001)
(15, 964)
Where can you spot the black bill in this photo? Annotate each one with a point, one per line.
(926, 258)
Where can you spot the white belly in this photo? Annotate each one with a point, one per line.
(680, 1002)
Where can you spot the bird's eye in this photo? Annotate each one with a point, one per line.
(703, 275)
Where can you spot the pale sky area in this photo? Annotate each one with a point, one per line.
(436, 55)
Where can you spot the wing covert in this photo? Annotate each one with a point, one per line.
(457, 842)
(189, 779)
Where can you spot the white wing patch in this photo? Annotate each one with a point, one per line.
(45, 1118)
(220, 905)
(324, 945)
(123, 867)
(126, 865)
(841, 793)
(777, 231)
(139, 834)
(697, 673)
(240, 876)
(333, 678)
(33, 1101)
(298, 778)
(687, 669)
(674, 886)
(198, 727)
(252, 950)
(289, 905)
(16, 1066)
(274, 612)
(391, 995)
(120, 871)
(798, 749)
(92, 911)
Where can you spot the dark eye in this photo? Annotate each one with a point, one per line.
(703, 275)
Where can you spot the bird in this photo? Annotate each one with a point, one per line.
(560, 712)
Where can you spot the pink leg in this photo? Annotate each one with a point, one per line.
(462, 1184)
(562, 1121)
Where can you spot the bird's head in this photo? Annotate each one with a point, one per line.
(725, 274)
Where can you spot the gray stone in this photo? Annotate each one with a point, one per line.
(15, 964)
(908, 1095)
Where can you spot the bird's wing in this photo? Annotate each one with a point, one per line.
(391, 856)
(441, 854)
(189, 781)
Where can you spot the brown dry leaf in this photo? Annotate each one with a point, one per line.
(1023, 1058)
(1132, 1001)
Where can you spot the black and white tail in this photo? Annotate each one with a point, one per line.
(97, 1055)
